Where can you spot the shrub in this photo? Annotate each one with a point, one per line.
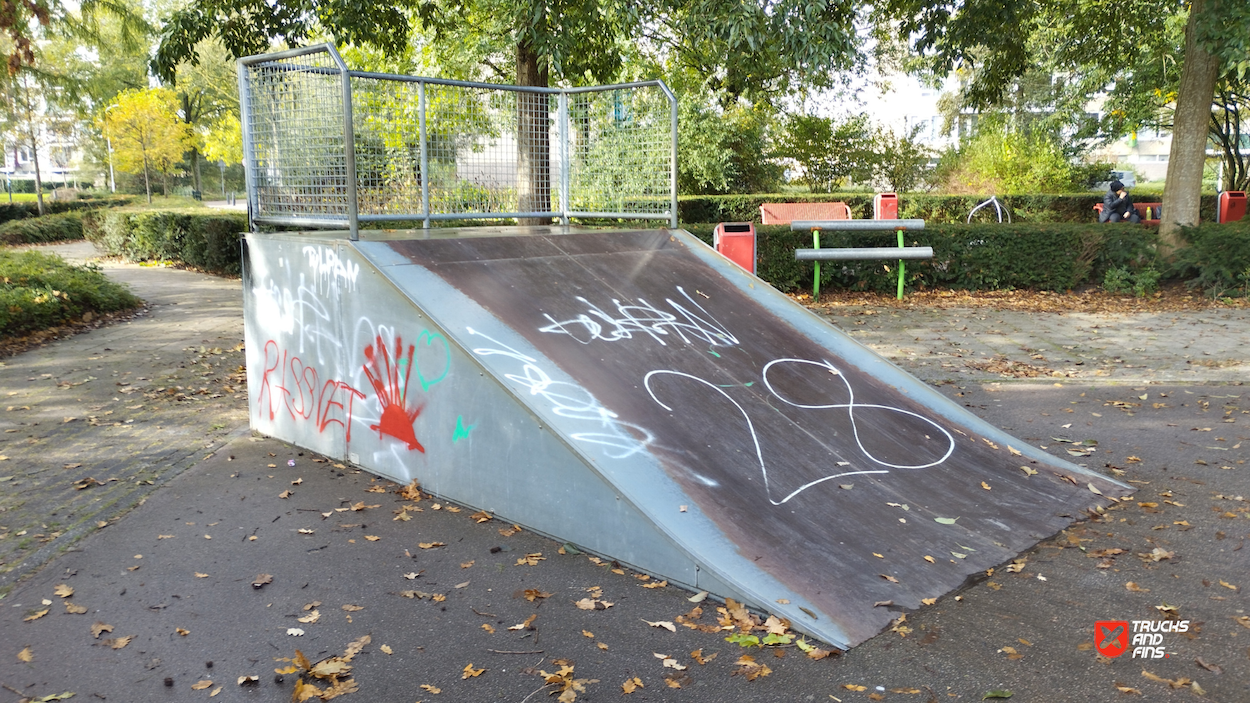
(39, 290)
(1217, 258)
(933, 208)
(39, 230)
(973, 257)
(204, 240)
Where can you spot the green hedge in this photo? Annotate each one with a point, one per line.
(41, 230)
(973, 257)
(1217, 259)
(207, 241)
(39, 290)
(932, 208)
(24, 210)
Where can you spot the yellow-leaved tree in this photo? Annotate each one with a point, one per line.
(223, 143)
(146, 133)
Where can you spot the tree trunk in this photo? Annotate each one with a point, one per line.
(533, 160)
(34, 145)
(147, 179)
(195, 171)
(1182, 193)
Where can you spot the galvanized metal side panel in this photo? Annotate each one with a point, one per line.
(322, 324)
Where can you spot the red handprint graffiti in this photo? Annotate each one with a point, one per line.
(397, 420)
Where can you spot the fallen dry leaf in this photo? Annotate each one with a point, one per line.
(26, 655)
(63, 591)
(531, 559)
(182, 631)
(386, 648)
(99, 628)
(248, 680)
(430, 545)
(311, 618)
(656, 584)
(198, 575)
(352, 608)
(36, 615)
(488, 627)
(533, 594)
(697, 655)
(470, 672)
(854, 687)
(662, 623)
(748, 667)
(75, 609)
(525, 624)
(432, 689)
(119, 642)
(631, 685)
(295, 632)
(201, 685)
(261, 580)
(372, 538)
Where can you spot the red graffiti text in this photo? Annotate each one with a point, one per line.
(288, 383)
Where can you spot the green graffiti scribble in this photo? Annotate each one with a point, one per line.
(462, 432)
(430, 338)
(713, 353)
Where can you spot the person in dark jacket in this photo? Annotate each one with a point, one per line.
(1117, 205)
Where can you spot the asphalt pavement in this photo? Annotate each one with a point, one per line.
(169, 584)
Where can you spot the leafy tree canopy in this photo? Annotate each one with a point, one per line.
(744, 48)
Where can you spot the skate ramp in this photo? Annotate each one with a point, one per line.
(639, 396)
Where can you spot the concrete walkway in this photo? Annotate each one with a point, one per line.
(169, 601)
(93, 423)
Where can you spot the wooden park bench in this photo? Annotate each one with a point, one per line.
(1149, 212)
(785, 213)
(901, 252)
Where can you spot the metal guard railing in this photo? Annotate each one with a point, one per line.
(408, 148)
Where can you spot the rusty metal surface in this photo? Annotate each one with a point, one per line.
(824, 466)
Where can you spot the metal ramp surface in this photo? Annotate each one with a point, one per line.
(636, 394)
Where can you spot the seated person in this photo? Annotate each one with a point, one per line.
(1117, 205)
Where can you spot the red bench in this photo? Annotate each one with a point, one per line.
(1149, 212)
(785, 213)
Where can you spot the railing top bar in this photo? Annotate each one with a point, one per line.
(291, 53)
(305, 68)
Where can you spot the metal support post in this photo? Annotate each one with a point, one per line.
(249, 148)
(816, 281)
(563, 107)
(349, 151)
(901, 266)
(425, 156)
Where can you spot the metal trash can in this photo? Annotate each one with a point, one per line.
(1232, 206)
(736, 242)
(885, 206)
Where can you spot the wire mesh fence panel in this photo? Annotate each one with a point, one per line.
(295, 124)
(437, 150)
(386, 121)
(620, 146)
(490, 150)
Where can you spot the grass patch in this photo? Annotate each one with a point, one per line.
(38, 291)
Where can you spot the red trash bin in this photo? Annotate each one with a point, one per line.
(736, 242)
(1232, 206)
(885, 206)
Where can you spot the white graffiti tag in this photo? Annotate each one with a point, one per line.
(332, 272)
(571, 401)
(643, 318)
(850, 407)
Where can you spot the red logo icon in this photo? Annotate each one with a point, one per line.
(1111, 637)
